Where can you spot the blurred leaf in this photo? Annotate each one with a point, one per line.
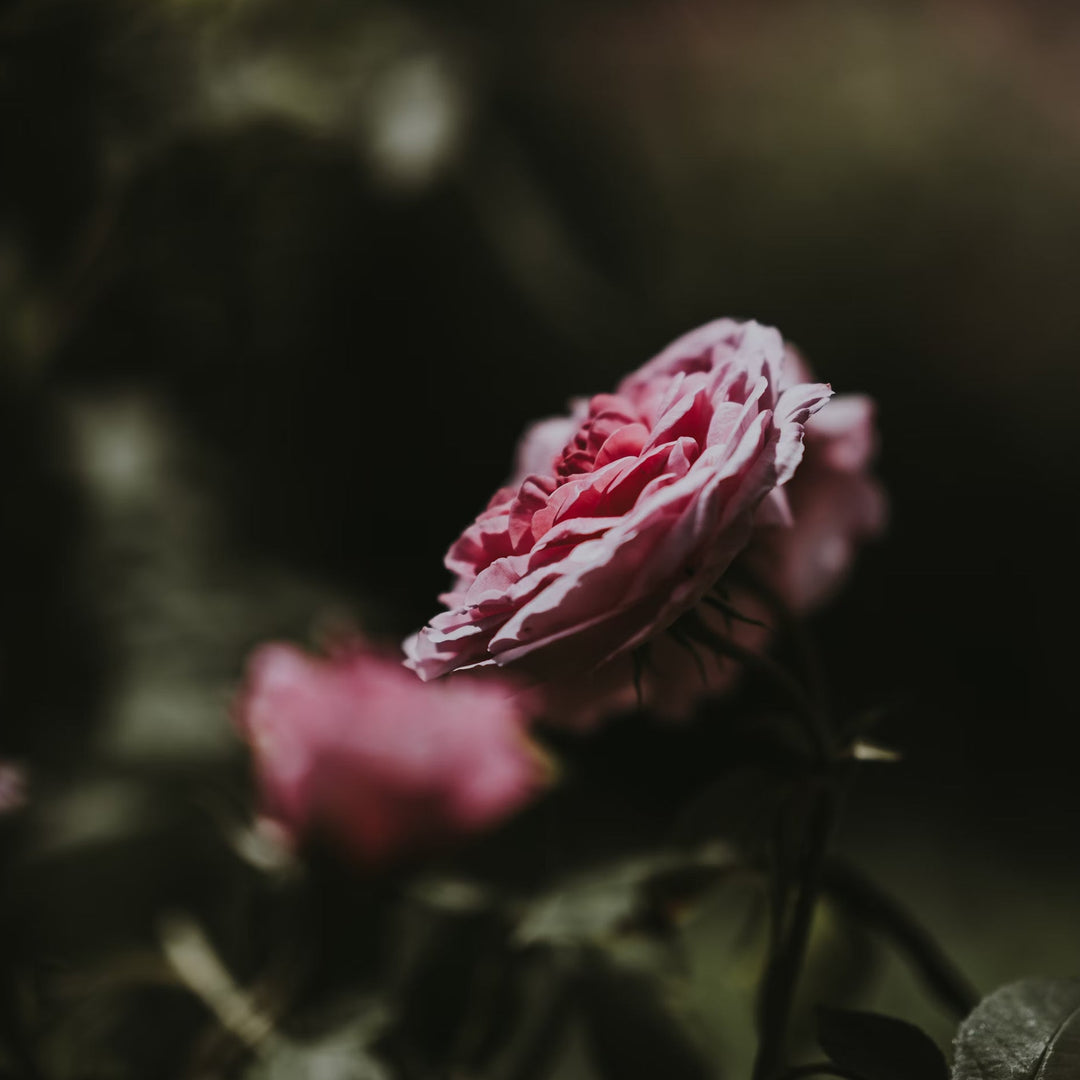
(1028, 1030)
(532, 1047)
(754, 799)
(453, 895)
(117, 1031)
(672, 895)
(341, 1054)
(632, 1032)
(879, 1047)
(629, 895)
(841, 966)
(455, 987)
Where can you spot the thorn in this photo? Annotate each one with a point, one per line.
(862, 750)
(730, 612)
(692, 627)
(680, 637)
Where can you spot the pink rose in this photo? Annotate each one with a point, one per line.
(836, 504)
(355, 745)
(628, 512)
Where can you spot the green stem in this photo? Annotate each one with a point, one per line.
(782, 972)
(869, 903)
(790, 938)
(802, 704)
(817, 729)
(791, 626)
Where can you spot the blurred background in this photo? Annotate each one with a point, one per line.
(280, 284)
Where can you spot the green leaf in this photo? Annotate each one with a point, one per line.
(1028, 1030)
(452, 979)
(339, 1056)
(537, 1038)
(342, 1048)
(879, 1047)
(597, 907)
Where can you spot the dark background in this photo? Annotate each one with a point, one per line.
(281, 284)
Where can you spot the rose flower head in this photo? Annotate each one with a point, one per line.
(794, 561)
(356, 747)
(626, 513)
(836, 502)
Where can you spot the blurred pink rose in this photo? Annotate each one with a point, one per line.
(626, 513)
(357, 746)
(12, 787)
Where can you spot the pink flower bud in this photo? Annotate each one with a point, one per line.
(356, 746)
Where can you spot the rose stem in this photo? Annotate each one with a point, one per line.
(789, 624)
(786, 959)
(814, 723)
(782, 970)
(870, 903)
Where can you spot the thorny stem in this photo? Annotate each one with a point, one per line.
(817, 730)
(790, 941)
(790, 625)
(190, 954)
(782, 970)
(805, 707)
(791, 936)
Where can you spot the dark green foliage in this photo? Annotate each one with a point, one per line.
(1029, 1030)
(352, 363)
(456, 993)
(879, 1047)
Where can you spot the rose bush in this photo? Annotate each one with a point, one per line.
(356, 746)
(625, 514)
